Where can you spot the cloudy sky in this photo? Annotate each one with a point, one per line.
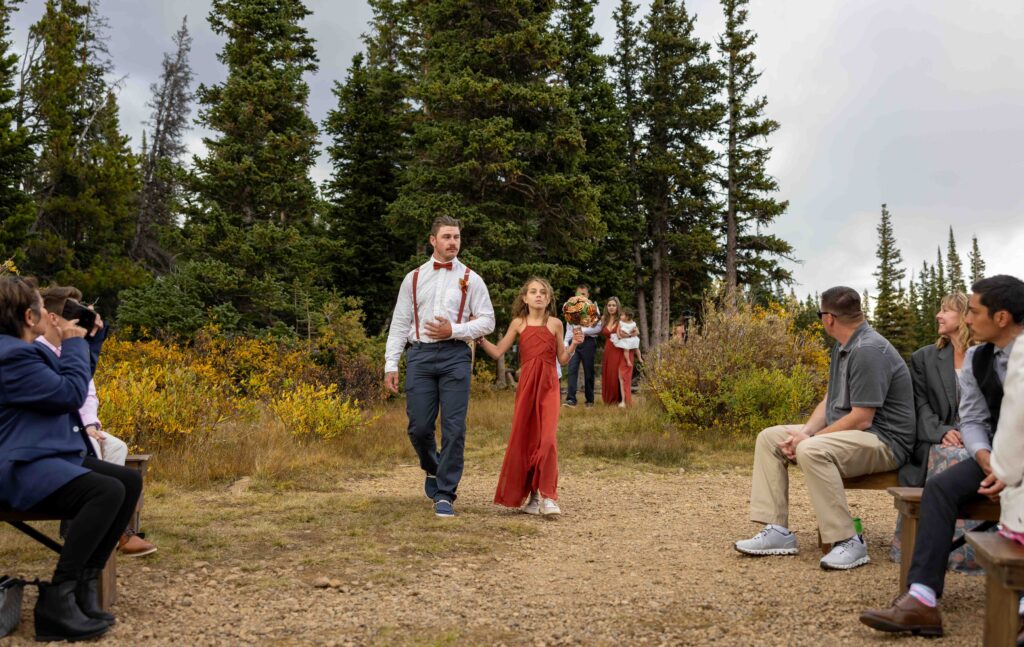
(918, 104)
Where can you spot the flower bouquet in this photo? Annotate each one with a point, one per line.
(579, 311)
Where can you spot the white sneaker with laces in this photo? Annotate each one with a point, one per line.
(847, 554)
(770, 541)
(548, 506)
(533, 505)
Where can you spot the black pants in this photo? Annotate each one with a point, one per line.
(943, 495)
(99, 505)
(584, 353)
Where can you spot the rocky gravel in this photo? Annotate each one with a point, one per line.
(637, 558)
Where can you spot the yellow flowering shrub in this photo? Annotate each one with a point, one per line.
(313, 411)
(745, 369)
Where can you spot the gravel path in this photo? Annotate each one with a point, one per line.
(637, 558)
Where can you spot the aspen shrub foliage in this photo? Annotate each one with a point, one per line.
(742, 371)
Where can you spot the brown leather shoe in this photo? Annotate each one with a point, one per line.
(905, 614)
(131, 545)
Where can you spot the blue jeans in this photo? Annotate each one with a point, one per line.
(437, 379)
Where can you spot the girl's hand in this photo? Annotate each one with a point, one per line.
(577, 337)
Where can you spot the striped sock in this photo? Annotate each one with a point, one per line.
(924, 594)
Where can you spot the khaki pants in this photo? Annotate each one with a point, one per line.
(825, 461)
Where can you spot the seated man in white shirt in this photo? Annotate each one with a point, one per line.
(107, 447)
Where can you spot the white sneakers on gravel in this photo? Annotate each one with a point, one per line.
(533, 505)
(770, 541)
(548, 507)
(847, 554)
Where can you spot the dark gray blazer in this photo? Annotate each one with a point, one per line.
(935, 400)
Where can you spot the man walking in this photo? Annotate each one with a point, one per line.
(584, 353)
(995, 315)
(442, 307)
(864, 425)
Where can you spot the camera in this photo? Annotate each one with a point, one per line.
(75, 310)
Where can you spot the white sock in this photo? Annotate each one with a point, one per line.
(1021, 609)
(784, 530)
(924, 594)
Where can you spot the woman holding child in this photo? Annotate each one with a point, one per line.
(530, 470)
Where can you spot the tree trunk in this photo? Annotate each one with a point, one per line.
(501, 382)
(731, 228)
(641, 298)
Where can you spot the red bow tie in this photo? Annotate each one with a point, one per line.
(442, 266)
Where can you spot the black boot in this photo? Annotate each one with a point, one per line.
(87, 593)
(59, 618)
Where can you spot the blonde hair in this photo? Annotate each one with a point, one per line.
(606, 318)
(957, 301)
(521, 309)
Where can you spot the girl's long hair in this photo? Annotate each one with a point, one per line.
(520, 307)
(957, 301)
(606, 318)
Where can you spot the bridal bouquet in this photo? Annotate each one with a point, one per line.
(579, 311)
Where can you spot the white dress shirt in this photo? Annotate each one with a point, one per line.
(438, 294)
(1008, 444)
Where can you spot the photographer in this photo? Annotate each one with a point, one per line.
(46, 464)
(61, 303)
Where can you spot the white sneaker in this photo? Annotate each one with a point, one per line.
(770, 541)
(533, 505)
(847, 554)
(548, 506)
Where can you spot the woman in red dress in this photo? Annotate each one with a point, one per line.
(530, 468)
(614, 371)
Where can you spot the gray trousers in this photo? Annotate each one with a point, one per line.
(437, 379)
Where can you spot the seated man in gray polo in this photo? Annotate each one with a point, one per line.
(864, 425)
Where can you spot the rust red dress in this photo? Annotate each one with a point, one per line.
(613, 368)
(531, 460)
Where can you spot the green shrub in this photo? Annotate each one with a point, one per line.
(744, 370)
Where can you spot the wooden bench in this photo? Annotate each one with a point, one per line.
(908, 503)
(108, 578)
(1004, 573)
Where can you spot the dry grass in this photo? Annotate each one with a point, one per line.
(275, 459)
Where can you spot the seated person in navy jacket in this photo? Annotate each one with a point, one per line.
(46, 465)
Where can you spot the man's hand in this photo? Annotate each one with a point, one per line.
(95, 433)
(983, 458)
(438, 328)
(98, 326)
(952, 438)
(391, 381)
(71, 329)
(789, 445)
(991, 487)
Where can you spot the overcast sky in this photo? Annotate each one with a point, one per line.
(918, 103)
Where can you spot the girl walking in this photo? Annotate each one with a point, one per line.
(530, 468)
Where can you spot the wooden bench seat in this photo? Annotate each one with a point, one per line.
(108, 578)
(908, 503)
(879, 481)
(1004, 573)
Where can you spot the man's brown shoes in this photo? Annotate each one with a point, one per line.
(131, 545)
(906, 614)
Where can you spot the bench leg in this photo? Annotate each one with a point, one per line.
(908, 534)
(108, 582)
(1001, 619)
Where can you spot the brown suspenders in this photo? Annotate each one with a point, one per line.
(415, 302)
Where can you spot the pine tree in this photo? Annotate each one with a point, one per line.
(679, 86)
(592, 97)
(162, 170)
(954, 266)
(888, 318)
(367, 131)
(977, 262)
(626, 67)
(498, 145)
(86, 178)
(750, 253)
(927, 328)
(17, 212)
(941, 282)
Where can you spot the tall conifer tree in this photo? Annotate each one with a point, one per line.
(498, 145)
(954, 266)
(750, 252)
(17, 212)
(888, 318)
(680, 113)
(977, 262)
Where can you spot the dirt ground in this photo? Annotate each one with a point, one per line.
(639, 557)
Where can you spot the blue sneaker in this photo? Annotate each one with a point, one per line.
(444, 508)
(430, 486)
